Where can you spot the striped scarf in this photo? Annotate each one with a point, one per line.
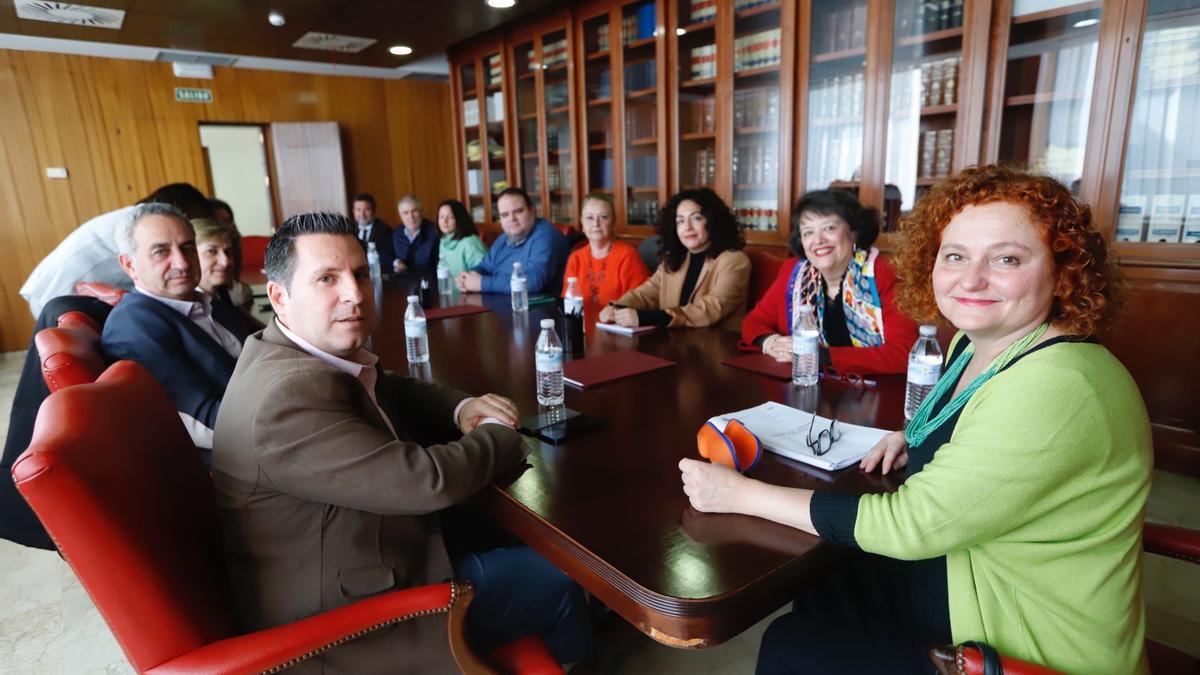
(860, 298)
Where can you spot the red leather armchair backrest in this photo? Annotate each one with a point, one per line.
(764, 267)
(94, 289)
(254, 252)
(70, 353)
(116, 481)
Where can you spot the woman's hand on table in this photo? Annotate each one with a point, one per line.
(626, 317)
(778, 347)
(891, 452)
(712, 488)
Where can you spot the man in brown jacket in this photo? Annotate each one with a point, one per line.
(324, 498)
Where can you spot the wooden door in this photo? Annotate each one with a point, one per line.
(309, 175)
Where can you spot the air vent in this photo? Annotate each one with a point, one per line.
(205, 59)
(334, 43)
(65, 12)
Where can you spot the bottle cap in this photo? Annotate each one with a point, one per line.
(547, 323)
(413, 298)
(575, 279)
(928, 330)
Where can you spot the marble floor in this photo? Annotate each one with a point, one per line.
(49, 625)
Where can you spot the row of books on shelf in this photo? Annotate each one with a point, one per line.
(758, 215)
(702, 62)
(558, 178)
(703, 169)
(755, 164)
(641, 170)
(706, 10)
(493, 108)
(558, 137)
(554, 53)
(640, 124)
(837, 97)
(756, 108)
(640, 75)
(640, 24)
(602, 43)
(599, 85)
(475, 178)
(698, 115)
(642, 211)
(601, 169)
(495, 70)
(835, 153)
(841, 30)
(556, 95)
(758, 50)
(1171, 218)
(937, 147)
(562, 212)
(915, 17)
(939, 81)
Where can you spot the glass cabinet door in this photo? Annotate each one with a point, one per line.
(757, 54)
(639, 59)
(473, 144)
(696, 124)
(528, 149)
(598, 105)
(557, 104)
(923, 107)
(493, 117)
(1160, 192)
(836, 84)
(1050, 72)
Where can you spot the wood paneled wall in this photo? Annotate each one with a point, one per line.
(116, 127)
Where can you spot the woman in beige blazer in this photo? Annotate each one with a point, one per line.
(703, 278)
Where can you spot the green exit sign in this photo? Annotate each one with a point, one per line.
(193, 95)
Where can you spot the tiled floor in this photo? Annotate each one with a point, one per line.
(48, 624)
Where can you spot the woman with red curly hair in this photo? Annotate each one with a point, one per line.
(1028, 465)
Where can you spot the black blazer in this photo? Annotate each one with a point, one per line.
(381, 234)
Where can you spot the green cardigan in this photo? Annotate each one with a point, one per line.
(461, 255)
(1037, 503)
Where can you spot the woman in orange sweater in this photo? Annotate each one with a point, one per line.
(606, 268)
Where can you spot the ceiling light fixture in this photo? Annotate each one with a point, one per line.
(501, 4)
(681, 31)
(276, 19)
(401, 50)
(1084, 23)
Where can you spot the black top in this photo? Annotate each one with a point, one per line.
(834, 323)
(834, 513)
(657, 317)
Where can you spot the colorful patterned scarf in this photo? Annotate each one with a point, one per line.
(860, 298)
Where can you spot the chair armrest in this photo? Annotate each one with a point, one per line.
(962, 660)
(527, 656)
(1174, 542)
(274, 649)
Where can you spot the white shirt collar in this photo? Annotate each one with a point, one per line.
(365, 359)
(184, 307)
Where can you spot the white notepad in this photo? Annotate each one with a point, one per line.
(783, 430)
(624, 330)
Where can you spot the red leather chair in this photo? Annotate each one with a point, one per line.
(94, 289)
(1173, 542)
(131, 509)
(254, 252)
(70, 353)
(764, 267)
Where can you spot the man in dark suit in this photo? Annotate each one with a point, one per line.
(330, 474)
(372, 229)
(189, 343)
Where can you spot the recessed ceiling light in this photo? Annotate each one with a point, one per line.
(1084, 23)
(681, 31)
(501, 4)
(276, 19)
(401, 50)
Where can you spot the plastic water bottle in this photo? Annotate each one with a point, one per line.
(573, 299)
(549, 366)
(805, 347)
(416, 340)
(443, 278)
(376, 275)
(520, 289)
(924, 369)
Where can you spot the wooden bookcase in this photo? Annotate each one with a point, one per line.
(481, 129)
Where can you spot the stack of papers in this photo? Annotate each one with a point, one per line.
(624, 330)
(783, 430)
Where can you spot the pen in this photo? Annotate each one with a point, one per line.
(866, 383)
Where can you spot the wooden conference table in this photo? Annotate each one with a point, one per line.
(607, 507)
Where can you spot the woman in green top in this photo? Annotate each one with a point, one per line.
(1019, 524)
(461, 248)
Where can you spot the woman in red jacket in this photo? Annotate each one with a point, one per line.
(838, 271)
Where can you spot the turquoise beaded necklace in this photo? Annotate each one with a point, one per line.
(920, 427)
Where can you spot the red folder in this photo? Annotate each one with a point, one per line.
(434, 313)
(596, 370)
(762, 364)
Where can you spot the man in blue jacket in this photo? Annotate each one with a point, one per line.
(535, 243)
(188, 343)
(415, 240)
